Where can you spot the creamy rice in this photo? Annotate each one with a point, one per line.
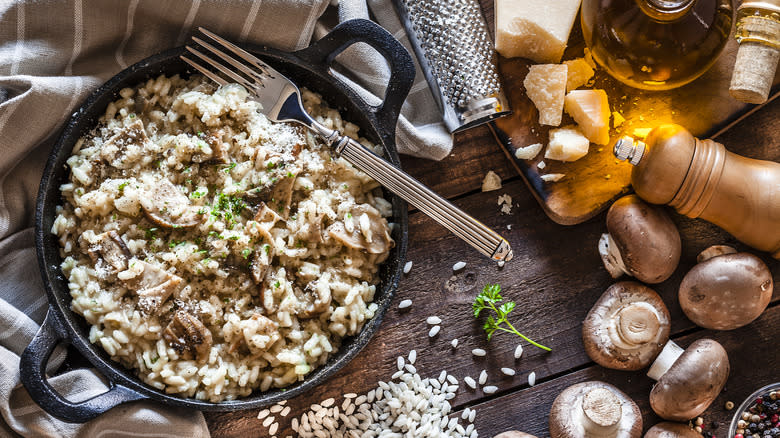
(215, 252)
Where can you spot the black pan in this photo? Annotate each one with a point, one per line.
(309, 67)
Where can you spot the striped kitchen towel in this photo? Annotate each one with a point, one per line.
(55, 52)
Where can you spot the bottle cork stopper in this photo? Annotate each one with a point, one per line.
(756, 63)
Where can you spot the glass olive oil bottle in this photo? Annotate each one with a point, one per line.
(656, 44)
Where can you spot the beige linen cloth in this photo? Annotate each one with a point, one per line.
(54, 53)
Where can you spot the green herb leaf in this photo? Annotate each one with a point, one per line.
(490, 300)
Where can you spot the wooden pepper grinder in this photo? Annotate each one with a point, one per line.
(701, 179)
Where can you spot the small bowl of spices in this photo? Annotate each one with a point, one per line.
(759, 415)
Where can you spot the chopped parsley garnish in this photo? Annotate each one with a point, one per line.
(151, 233)
(246, 252)
(122, 186)
(229, 167)
(197, 194)
(228, 208)
(277, 284)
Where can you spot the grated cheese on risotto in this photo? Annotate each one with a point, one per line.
(213, 251)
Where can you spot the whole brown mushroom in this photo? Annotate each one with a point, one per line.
(726, 289)
(687, 380)
(642, 241)
(594, 409)
(514, 434)
(627, 327)
(671, 430)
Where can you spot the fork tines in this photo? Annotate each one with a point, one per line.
(250, 73)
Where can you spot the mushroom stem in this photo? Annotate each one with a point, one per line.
(610, 255)
(637, 324)
(601, 411)
(665, 360)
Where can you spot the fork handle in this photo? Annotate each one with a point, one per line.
(472, 231)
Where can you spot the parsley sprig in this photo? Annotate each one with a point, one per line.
(488, 299)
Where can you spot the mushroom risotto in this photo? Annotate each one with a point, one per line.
(212, 251)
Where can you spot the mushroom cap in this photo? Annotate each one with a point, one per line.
(691, 384)
(645, 236)
(627, 327)
(726, 291)
(671, 430)
(594, 409)
(514, 434)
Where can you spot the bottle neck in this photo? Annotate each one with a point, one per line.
(665, 10)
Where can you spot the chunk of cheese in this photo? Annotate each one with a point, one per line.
(590, 109)
(566, 144)
(579, 73)
(545, 85)
(534, 29)
(528, 152)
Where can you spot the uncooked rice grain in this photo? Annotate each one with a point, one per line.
(532, 379)
(404, 304)
(454, 343)
(478, 352)
(508, 371)
(433, 320)
(434, 331)
(458, 266)
(489, 389)
(518, 351)
(483, 377)
(407, 267)
(412, 356)
(471, 382)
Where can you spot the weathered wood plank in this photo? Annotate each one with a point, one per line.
(528, 409)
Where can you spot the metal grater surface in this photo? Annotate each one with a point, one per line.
(456, 55)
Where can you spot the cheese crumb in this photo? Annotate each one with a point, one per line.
(617, 119)
(641, 132)
(552, 177)
(545, 85)
(579, 73)
(566, 144)
(491, 182)
(541, 165)
(505, 201)
(528, 152)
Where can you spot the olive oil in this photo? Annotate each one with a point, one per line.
(656, 44)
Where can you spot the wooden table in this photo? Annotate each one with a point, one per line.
(555, 278)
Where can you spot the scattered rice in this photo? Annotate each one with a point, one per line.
(508, 371)
(532, 379)
(410, 407)
(454, 343)
(267, 422)
(273, 428)
(434, 331)
(518, 351)
(412, 356)
(400, 362)
(458, 266)
(285, 411)
(489, 389)
(410, 368)
(404, 304)
(275, 409)
(478, 352)
(264, 413)
(501, 263)
(407, 267)
(483, 377)
(471, 382)
(433, 320)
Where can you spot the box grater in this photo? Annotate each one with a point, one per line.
(451, 41)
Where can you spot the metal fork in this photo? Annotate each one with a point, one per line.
(281, 102)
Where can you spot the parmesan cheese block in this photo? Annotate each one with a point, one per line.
(579, 73)
(590, 109)
(566, 144)
(545, 85)
(534, 29)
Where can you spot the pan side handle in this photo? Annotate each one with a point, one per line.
(33, 375)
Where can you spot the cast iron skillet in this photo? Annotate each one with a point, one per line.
(309, 67)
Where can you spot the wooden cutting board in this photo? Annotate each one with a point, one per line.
(593, 182)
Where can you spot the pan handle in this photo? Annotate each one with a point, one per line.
(324, 51)
(33, 375)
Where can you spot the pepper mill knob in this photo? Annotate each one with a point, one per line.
(701, 179)
(626, 148)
